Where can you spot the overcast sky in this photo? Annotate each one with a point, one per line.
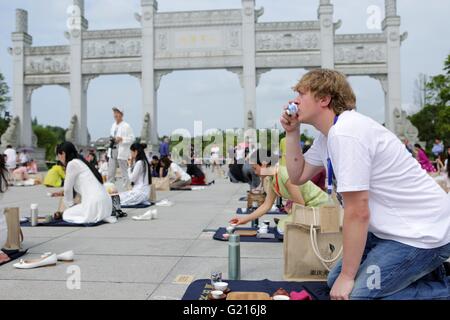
(215, 96)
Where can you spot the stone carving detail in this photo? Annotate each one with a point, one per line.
(17, 51)
(11, 135)
(137, 75)
(239, 73)
(259, 12)
(146, 129)
(47, 64)
(327, 23)
(162, 39)
(72, 131)
(250, 120)
(403, 128)
(196, 18)
(234, 38)
(112, 48)
(29, 92)
(21, 20)
(279, 41)
(158, 76)
(87, 79)
(259, 72)
(288, 26)
(383, 80)
(360, 37)
(148, 15)
(360, 53)
(393, 36)
(108, 67)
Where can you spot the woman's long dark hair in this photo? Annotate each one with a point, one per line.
(71, 153)
(3, 174)
(141, 156)
(166, 162)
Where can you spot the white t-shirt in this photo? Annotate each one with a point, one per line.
(177, 169)
(406, 204)
(11, 158)
(215, 152)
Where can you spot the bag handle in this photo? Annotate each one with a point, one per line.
(313, 238)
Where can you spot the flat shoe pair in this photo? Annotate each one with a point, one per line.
(46, 260)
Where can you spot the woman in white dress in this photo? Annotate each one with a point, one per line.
(140, 177)
(83, 178)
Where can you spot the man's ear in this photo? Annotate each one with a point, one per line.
(325, 101)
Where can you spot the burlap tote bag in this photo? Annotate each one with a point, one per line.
(161, 184)
(15, 235)
(309, 254)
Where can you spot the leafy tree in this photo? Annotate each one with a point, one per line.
(433, 121)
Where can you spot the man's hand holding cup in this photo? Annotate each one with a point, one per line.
(289, 118)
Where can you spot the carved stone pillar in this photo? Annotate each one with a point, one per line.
(325, 14)
(249, 57)
(78, 98)
(21, 104)
(391, 28)
(149, 8)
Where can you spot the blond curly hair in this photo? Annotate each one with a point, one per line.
(326, 82)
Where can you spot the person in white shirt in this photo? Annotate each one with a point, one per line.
(121, 139)
(23, 157)
(11, 158)
(83, 178)
(396, 218)
(177, 176)
(140, 177)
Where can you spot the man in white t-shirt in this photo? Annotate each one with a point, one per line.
(11, 157)
(121, 138)
(396, 218)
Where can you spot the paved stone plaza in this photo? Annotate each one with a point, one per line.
(136, 259)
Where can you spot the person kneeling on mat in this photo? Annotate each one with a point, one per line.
(396, 228)
(84, 179)
(307, 194)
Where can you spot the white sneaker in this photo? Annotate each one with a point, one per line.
(66, 256)
(110, 219)
(48, 259)
(164, 203)
(149, 215)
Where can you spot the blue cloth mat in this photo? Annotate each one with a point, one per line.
(221, 231)
(139, 206)
(14, 256)
(239, 211)
(61, 223)
(199, 289)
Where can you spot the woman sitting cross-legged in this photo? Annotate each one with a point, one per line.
(140, 177)
(307, 194)
(84, 179)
